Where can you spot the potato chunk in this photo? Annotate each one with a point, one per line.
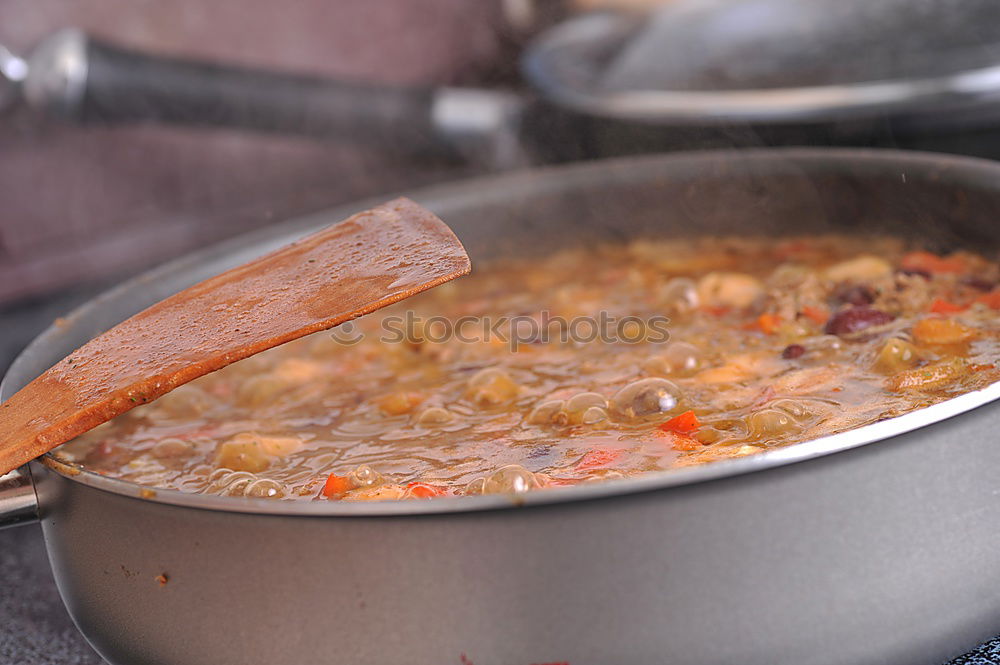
(896, 355)
(492, 386)
(254, 452)
(942, 331)
(860, 269)
(242, 456)
(729, 289)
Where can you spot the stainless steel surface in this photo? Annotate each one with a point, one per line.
(57, 73)
(13, 70)
(842, 550)
(760, 72)
(482, 125)
(572, 63)
(18, 504)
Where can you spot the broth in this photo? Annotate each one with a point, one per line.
(702, 350)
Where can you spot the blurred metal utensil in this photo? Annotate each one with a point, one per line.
(769, 62)
(692, 74)
(13, 71)
(74, 77)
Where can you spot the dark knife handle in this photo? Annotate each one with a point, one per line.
(85, 80)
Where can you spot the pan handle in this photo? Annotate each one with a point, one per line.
(18, 503)
(78, 78)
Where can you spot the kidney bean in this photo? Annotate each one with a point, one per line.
(978, 283)
(793, 351)
(856, 294)
(855, 319)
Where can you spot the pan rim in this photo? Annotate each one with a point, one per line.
(537, 178)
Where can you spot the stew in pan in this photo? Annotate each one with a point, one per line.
(591, 364)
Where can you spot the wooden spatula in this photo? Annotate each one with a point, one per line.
(371, 260)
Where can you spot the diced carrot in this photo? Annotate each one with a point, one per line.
(817, 315)
(932, 263)
(991, 299)
(599, 457)
(685, 423)
(766, 323)
(940, 306)
(424, 491)
(336, 485)
(942, 331)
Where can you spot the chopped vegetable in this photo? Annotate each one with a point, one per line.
(859, 269)
(768, 323)
(492, 386)
(942, 331)
(685, 423)
(398, 403)
(926, 262)
(419, 490)
(729, 289)
(991, 299)
(817, 315)
(940, 306)
(242, 454)
(896, 355)
(336, 485)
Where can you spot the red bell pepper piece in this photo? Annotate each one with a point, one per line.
(685, 423)
(336, 485)
(940, 306)
(932, 263)
(420, 490)
(991, 299)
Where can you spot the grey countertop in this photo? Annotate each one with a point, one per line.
(34, 626)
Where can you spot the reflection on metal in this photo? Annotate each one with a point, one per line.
(18, 504)
(567, 62)
(13, 70)
(57, 73)
(482, 125)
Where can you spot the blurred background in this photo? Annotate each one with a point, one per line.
(84, 205)
(134, 131)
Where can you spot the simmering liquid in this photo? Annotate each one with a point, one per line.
(589, 365)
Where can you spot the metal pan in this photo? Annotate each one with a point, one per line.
(878, 545)
(691, 74)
